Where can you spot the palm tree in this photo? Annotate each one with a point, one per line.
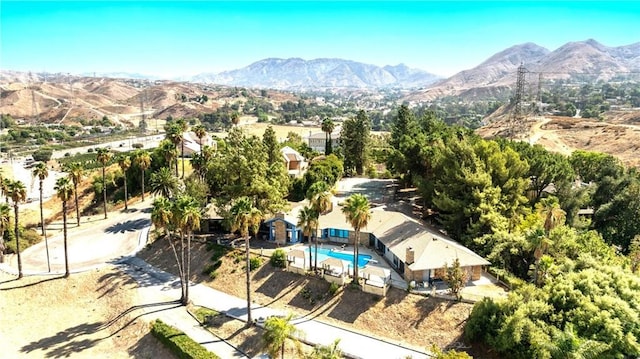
(64, 189)
(327, 127)
(142, 159)
(40, 170)
(170, 153)
(356, 211)
(163, 217)
(4, 186)
(174, 135)
(76, 173)
(321, 203)
(124, 162)
(200, 132)
(183, 127)
(18, 193)
(5, 213)
(308, 221)
(187, 217)
(164, 183)
(549, 210)
(243, 217)
(104, 155)
(276, 332)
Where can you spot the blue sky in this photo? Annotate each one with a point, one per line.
(185, 38)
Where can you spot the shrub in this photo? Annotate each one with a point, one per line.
(371, 172)
(42, 155)
(333, 289)
(137, 145)
(28, 237)
(90, 150)
(211, 268)
(179, 343)
(278, 259)
(255, 263)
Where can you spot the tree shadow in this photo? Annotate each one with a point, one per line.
(67, 342)
(312, 295)
(128, 226)
(29, 284)
(276, 288)
(351, 305)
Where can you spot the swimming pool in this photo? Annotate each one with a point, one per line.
(323, 253)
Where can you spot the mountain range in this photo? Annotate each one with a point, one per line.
(492, 78)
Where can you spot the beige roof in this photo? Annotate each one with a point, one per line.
(333, 262)
(398, 232)
(375, 271)
(296, 253)
(291, 154)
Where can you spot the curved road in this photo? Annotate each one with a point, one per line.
(96, 242)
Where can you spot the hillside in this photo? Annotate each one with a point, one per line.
(582, 61)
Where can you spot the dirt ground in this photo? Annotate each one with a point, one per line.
(401, 317)
(88, 315)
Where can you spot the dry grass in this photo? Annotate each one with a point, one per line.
(88, 315)
(414, 320)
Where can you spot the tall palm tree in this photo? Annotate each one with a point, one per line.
(276, 332)
(200, 132)
(76, 173)
(124, 162)
(4, 185)
(164, 183)
(356, 210)
(18, 193)
(142, 159)
(327, 127)
(320, 199)
(173, 133)
(104, 155)
(170, 154)
(187, 218)
(308, 221)
(163, 217)
(183, 127)
(243, 216)
(5, 218)
(550, 212)
(64, 188)
(40, 170)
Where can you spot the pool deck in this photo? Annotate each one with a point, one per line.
(376, 261)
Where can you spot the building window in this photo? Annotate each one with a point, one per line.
(339, 233)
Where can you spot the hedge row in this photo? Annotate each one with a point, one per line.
(179, 343)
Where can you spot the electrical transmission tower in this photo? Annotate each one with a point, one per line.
(517, 114)
(34, 105)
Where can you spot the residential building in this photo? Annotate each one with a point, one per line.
(294, 161)
(317, 141)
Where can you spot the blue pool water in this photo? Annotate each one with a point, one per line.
(323, 253)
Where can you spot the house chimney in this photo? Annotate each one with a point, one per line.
(409, 256)
(280, 215)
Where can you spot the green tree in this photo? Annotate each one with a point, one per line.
(64, 190)
(327, 127)
(183, 127)
(40, 170)
(355, 141)
(5, 217)
(124, 162)
(276, 332)
(242, 216)
(438, 353)
(356, 211)
(456, 277)
(76, 173)
(270, 143)
(320, 199)
(18, 193)
(142, 159)
(173, 133)
(634, 253)
(103, 156)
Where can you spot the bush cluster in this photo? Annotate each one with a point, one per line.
(179, 343)
(278, 259)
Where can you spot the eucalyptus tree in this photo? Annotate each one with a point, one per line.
(357, 212)
(40, 170)
(142, 159)
(18, 193)
(103, 156)
(76, 173)
(64, 189)
(242, 216)
(356, 142)
(124, 162)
